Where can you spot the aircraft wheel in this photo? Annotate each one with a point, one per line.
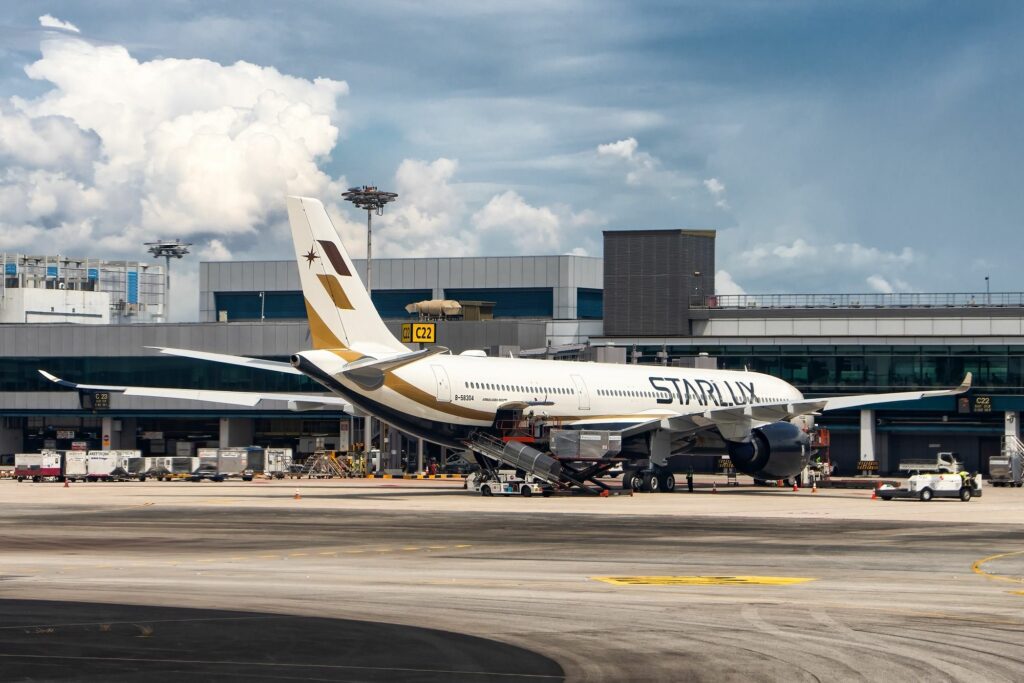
(667, 482)
(632, 481)
(965, 495)
(649, 482)
(926, 495)
(485, 490)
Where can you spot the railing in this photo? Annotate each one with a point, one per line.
(1012, 444)
(869, 300)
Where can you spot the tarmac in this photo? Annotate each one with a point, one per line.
(418, 580)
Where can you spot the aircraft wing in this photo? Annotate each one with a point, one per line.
(297, 402)
(735, 422)
(258, 363)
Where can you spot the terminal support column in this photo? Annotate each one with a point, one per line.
(236, 431)
(419, 456)
(867, 435)
(110, 439)
(1011, 423)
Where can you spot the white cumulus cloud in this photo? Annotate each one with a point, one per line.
(717, 190)
(119, 150)
(726, 285)
(642, 168)
(50, 21)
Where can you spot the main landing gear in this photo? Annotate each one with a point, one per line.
(649, 481)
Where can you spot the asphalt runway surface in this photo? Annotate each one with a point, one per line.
(221, 592)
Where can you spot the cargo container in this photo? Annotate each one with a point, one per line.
(108, 466)
(37, 466)
(231, 462)
(278, 462)
(76, 465)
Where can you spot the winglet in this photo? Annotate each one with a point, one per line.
(966, 384)
(57, 380)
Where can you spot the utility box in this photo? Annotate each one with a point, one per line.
(585, 444)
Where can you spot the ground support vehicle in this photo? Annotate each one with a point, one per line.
(505, 483)
(931, 485)
(1006, 470)
(76, 465)
(37, 466)
(206, 472)
(111, 465)
(942, 462)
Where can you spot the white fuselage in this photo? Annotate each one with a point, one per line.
(468, 391)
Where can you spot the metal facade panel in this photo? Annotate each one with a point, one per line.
(838, 327)
(946, 326)
(890, 327)
(515, 271)
(444, 274)
(1008, 326)
(248, 282)
(504, 273)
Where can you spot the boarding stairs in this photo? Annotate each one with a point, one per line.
(532, 462)
(324, 465)
(1012, 446)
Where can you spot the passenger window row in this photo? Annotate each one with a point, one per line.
(489, 386)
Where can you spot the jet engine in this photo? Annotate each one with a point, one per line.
(779, 450)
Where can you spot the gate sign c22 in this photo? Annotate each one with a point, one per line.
(421, 333)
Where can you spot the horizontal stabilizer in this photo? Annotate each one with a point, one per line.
(258, 363)
(369, 372)
(237, 398)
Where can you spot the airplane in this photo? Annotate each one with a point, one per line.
(463, 401)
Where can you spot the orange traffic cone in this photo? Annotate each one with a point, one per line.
(795, 487)
(298, 496)
(714, 487)
(65, 482)
(814, 487)
(874, 492)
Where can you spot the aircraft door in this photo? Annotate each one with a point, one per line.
(581, 392)
(444, 387)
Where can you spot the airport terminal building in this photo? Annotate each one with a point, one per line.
(650, 300)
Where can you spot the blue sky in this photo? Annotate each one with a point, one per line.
(835, 146)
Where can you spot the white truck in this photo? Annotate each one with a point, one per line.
(942, 462)
(504, 483)
(929, 485)
(37, 466)
(106, 466)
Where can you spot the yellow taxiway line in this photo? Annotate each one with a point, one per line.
(702, 580)
(976, 568)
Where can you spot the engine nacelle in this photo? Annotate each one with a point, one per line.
(779, 450)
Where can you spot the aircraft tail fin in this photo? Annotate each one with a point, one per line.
(341, 314)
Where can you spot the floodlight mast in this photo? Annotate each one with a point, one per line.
(168, 249)
(371, 199)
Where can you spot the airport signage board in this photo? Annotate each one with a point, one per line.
(419, 333)
(65, 433)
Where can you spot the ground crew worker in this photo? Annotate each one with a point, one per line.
(965, 479)
(689, 480)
